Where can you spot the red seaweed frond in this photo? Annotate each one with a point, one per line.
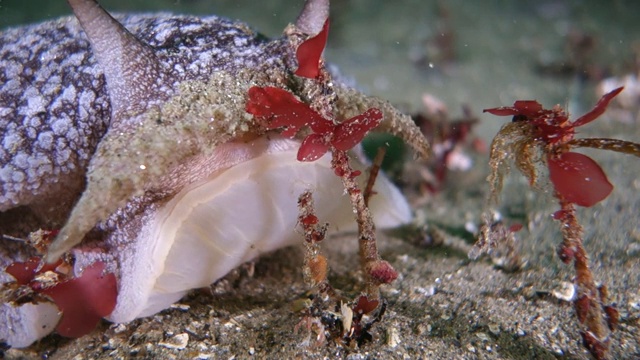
(577, 180)
(278, 108)
(83, 300)
(309, 53)
(575, 177)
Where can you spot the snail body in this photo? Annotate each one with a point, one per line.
(130, 135)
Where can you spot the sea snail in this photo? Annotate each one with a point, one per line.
(130, 135)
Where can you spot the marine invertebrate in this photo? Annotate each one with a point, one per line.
(546, 136)
(139, 145)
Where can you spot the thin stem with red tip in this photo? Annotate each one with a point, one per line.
(377, 271)
(589, 309)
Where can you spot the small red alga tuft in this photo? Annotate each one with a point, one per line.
(83, 301)
(383, 272)
(578, 178)
(309, 53)
(278, 108)
(575, 177)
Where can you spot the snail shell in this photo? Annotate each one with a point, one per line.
(212, 226)
(179, 188)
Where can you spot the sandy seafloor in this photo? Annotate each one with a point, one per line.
(443, 306)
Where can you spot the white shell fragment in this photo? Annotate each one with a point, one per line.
(565, 291)
(22, 325)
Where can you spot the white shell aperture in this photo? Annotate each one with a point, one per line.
(233, 216)
(26, 323)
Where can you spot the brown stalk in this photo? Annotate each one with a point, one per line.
(589, 308)
(377, 271)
